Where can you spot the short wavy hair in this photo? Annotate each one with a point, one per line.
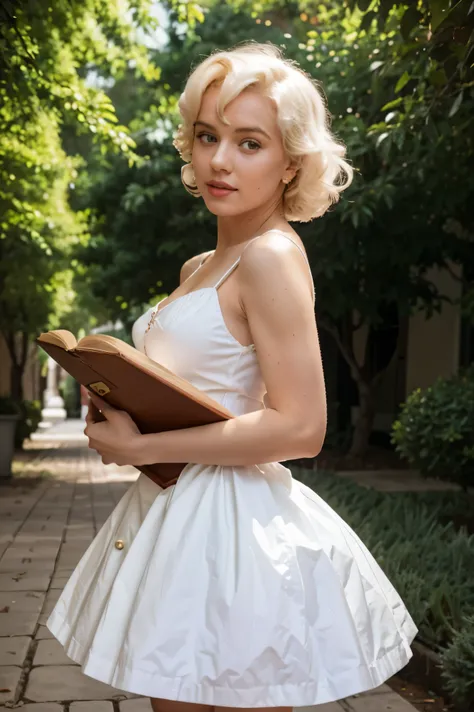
(322, 173)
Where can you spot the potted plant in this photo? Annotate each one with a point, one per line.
(9, 416)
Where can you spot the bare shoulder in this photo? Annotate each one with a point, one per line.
(275, 260)
(191, 265)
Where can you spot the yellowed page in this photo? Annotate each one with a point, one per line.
(60, 337)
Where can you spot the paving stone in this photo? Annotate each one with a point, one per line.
(381, 689)
(41, 707)
(64, 571)
(92, 707)
(43, 618)
(22, 600)
(43, 633)
(26, 563)
(50, 601)
(59, 582)
(50, 652)
(385, 702)
(21, 612)
(54, 683)
(24, 581)
(38, 552)
(27, 538)
(9, 681)
(141, 704)
(13, 650)
(331, 707)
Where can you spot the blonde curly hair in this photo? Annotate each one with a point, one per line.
(322, 173)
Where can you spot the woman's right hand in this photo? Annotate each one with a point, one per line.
(93, 414)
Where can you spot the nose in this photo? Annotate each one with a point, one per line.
(222, 157)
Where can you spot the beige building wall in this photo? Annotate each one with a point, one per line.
(433, 344)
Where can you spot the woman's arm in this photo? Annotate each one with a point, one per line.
(280, 312)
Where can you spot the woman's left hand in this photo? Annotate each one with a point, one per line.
(117, 438)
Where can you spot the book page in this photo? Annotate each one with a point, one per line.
(59, 337)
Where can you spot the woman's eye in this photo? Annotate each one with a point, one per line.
(254, 146)
(205, 134)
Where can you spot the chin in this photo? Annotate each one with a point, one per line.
(218, 208)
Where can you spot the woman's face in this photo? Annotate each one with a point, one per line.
(247, 155)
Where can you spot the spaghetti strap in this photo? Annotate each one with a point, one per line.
(234, 265)
(226, 274)
(205, 258)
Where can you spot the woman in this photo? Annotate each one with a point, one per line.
(239, 586)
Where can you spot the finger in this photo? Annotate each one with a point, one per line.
(90, 414)
(96, 415)
(100, 403)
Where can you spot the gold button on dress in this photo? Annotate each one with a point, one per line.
(119, 544)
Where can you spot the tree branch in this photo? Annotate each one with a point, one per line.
(346, 352)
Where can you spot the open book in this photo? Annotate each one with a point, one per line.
(154, 397)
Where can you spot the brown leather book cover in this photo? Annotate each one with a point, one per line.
(155, 397)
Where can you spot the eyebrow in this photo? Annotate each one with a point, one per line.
(243, 129)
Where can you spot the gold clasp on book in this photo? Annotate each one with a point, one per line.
(100, 388)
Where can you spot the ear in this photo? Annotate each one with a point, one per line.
(290, 172)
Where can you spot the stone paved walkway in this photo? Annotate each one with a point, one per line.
(45, 526)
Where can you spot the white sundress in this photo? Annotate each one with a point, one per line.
(238, 586)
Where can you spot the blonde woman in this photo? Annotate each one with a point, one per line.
(238, 586)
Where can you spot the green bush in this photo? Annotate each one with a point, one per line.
(8, 406)
(435, 430)
(458, 666)
(70, 393)
(28, 423)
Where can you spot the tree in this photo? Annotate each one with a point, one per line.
(46, 53)
(37, 230)
(396, 221)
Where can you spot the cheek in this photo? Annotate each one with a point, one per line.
(261, 178)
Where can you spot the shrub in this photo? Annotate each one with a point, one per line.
(70, 393)
(458, 665)
(435, 429)
(30, 417)
(8, 406)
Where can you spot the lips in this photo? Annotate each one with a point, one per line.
(223, 186)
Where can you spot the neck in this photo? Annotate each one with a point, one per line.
(237, 229)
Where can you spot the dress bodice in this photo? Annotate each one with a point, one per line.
(190, 337)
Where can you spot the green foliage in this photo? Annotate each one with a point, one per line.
(49, 100)
(435, 429)
(458, 665)
(30, 417)
(8, 406)
(70, 392)
(38, 227)
(430, 55)
(44, 50)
